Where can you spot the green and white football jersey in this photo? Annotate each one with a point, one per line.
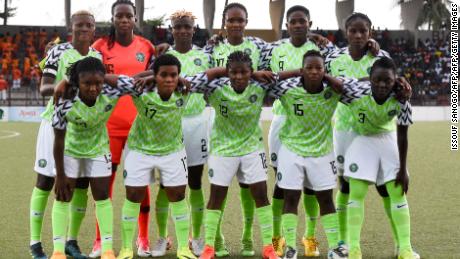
(340, 63)
(58, 60)
(371, 118)
(253, 46)
(86, 131)
(307, 130)
(282, 55)
(236, 129)
(193, 62)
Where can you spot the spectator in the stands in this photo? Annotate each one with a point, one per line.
(3, 88)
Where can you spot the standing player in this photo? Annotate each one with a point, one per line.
(306, 156)
(194, 127)
(56, 64)
(155, 142)
(237, 148)
(378, 154)
(81, 148)
(286, 54)
(353, 61)
(128, 54)
(234, 20)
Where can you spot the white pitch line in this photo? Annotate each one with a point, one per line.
(10, 134)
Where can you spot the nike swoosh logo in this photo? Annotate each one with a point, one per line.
(401, 206)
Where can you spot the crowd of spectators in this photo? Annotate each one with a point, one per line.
(425, 65)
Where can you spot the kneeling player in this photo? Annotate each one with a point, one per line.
(378, 154)
(81, 148)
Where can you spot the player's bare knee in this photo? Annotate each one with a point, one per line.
(82, 183)
(325, 201)
(217, 197)
(382, 190)
(194, 177)
(175, 193)
(291, 200)
(344, 185)
(44, 183)
(135, 194)
(278, 193)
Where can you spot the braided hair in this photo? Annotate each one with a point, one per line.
(224, 13)
(239, 57)
(86, 65)
(355, 16)
(112, 32)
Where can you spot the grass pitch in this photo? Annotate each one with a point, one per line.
(433, 198)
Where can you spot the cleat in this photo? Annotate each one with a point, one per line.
(269, 252)
(291, 253)
(278, 244)
(311, 246)
(185, 253)
(143, 249)
(58, 255)
(108, 255)
(72, 249)
(196, 245)
(406, 254)
(221, 249)
(416, 255)
(208, 252)
(337, 253)
(36, 251)
(96, 252)
(355, 253)
(248, 248)
(126, 253)
(161, 246)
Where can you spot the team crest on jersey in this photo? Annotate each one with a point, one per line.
(140, 57)
(211, 172)
(253, 98)
(353, 168)
(327, 95)
(340, 159)
(392, 113)
(180, 102)
(125, 173)
(273, 157)
(248, 51)
(108, 108)
(197, 62)
(42, 163)
(279, 176)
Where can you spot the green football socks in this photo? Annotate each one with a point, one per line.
(358, 191)
(181, 217)
(341, 202)
(331, 227)
(400, 214)
(196, 199)
(311, 206)
(60, 219)
(248, 206)
(77, 212)
(289, 222)
(104, 215)
(265, 216)
(129, 215)
(162, 212)
(211, 225)
(38, 202)
(277, 209)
